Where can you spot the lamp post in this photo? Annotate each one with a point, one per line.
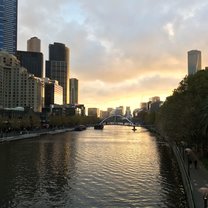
(204, 191)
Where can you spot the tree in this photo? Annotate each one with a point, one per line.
(180, 117)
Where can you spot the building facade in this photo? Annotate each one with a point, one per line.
(32, 61)
(18, 88)
(194, 61)
(53, 93)
(73, 91)
(34, 45)
(57, 67)
(8, 25)
(94, 112)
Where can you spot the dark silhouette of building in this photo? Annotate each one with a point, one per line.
(32, 61)
(57, 67)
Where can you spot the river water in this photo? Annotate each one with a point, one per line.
(114, 167)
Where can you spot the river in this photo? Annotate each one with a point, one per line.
(114, 167)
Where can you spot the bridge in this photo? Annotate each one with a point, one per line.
(115, 120)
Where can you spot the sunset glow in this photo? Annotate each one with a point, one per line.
(122, 52)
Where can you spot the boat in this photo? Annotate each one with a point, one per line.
(99, 126)
(80, 128)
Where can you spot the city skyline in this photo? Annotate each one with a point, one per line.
(122, 52)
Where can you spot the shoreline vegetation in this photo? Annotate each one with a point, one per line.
(31, 124)
(183, 118)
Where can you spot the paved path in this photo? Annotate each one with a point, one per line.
(198, 179)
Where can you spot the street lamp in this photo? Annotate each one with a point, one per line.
(204, 191)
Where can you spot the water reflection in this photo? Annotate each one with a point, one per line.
(111, 168)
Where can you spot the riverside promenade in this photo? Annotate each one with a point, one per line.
(195, 179)
(198, 179)
(29, 135)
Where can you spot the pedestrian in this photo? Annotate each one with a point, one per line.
(195, 163)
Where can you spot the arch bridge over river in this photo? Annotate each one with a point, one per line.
(115, 120)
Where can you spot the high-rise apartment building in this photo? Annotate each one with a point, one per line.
(18, 88)
(8, 25)
(34, 44)
(194, 61)
(73, 91)
(57, 67)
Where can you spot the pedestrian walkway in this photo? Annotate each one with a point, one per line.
(198, 179)
(194, 176)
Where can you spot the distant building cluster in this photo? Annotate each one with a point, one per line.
(96, 112)
(23, 81)
(153, 105)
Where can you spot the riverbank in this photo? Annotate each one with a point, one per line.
(194, 178)
(29, 135)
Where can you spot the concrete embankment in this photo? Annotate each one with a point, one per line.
(33, 135)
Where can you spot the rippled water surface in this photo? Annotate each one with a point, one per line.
(114, 167)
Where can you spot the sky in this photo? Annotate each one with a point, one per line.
(122, 52)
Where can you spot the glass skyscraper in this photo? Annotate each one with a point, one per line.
(8, 25)
(194, 61)
(57, 68)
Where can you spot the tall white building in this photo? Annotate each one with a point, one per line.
(194, 61)
(18, 88)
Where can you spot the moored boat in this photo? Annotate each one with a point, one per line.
(99, 126)
(80, 128)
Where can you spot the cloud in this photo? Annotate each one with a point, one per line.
(119, 46)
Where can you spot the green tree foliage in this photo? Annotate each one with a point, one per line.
(182, 115)
(71, 121)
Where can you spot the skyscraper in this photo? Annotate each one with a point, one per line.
(73, 91)
(34, 44)
(32, 59)
(57, 68)
(194, 61)
(8, 25)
